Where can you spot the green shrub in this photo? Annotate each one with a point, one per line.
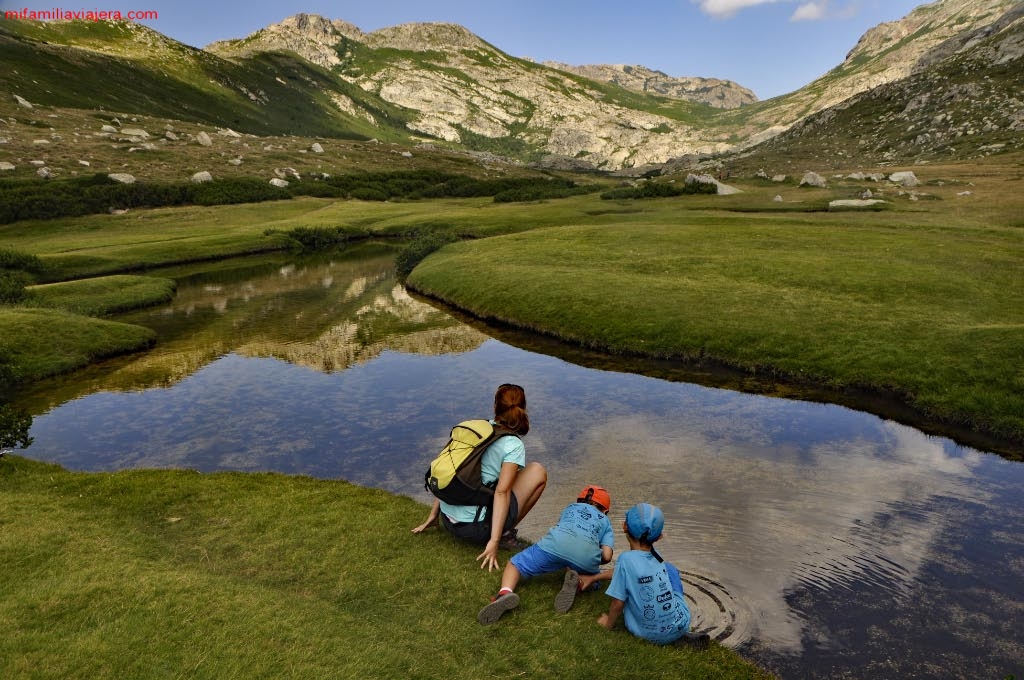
(15, 424)
(12, 259)
(321, 238)
(369, 193)
(423, 244)
(661, 190)
(12, 285)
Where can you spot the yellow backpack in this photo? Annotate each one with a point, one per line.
(454, 475)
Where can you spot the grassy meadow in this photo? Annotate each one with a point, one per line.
(153, 574)
(922, 300)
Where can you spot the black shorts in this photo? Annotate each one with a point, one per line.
(480, 532)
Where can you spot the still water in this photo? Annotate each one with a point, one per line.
(817, 540)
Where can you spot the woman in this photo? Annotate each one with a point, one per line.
(519, 487)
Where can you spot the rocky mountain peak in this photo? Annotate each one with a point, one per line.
(723, 94)
(311, 36)
(423, 37)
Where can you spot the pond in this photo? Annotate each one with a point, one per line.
(818, 540)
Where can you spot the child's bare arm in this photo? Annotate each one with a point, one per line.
(614, 612)
(606, 554)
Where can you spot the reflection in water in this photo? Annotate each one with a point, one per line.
(838, 544)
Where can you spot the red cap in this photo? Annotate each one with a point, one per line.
(597, 495)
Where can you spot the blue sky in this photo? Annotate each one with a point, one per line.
(771, 46)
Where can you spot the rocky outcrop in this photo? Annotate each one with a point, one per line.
(310, 36)
(722, 94)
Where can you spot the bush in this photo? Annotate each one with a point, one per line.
(14, 426)
(12, 285)
(423, 244)
(12, 259)
(661, 190)
(321, 238)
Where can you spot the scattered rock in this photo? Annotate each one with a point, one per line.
(287, 172)
(723, 189)
(813, 179)
(777, 199)
(779, 178)
(228, 132)
(279, 183)
(202, 177)
(906, 178)
(854, 202)
(84, 164)
(118, 211)
(108, 128)
(204, 139)
(406, 154)
(960, 193)
(122, 177)
(171, 136)
(40, 141)
(316, 148)
(235, 161)
(38, 164)
(45, 173)
(135, 132)
(22, 102)
(4, 165)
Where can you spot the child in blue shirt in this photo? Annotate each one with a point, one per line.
(646, 590)
(580, 543)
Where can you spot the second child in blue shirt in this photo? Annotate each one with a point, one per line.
(580, 543)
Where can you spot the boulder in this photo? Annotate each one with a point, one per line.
(44, 172)
(171, 136)
(778, 178)
(777, 199)
(204, 139)
(279, 183)
(854, 202)
(202, 177)
(316, 148)
(122, 177)
(22, 102)
(84, 164)
(108, 128)
(905, 178)
(813, 179)
(135, 132)
(4, 165)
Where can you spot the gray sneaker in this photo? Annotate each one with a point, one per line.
(498, 606)
(567, 595)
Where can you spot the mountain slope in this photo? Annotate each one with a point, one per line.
(884, 54)
(456, 87)
(963, 100)
(721, 94)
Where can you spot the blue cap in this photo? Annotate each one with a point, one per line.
(645, 522)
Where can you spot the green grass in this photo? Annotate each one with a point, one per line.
(933, 313)
(102, 295)
(153, 574)
(922, 301)
(43, 342)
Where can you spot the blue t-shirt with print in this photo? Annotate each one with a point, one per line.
(502, 450)
(653, 592)
(577, 538)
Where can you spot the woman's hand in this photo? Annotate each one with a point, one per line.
(490, 556)
(435, 512)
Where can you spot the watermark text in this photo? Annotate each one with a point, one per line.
(61, 14)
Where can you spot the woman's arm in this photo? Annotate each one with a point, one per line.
(435, 511)
(499, 512)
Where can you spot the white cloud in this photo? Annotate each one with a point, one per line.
(810, 11)
(724, 9)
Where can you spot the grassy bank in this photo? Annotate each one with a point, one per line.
(149, 574)
(933, 313)
(42, 342)
(102, 295)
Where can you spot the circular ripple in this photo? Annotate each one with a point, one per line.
(713, 610)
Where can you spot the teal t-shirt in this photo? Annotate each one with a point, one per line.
(581, 531)
(653, 592)
(503, 450)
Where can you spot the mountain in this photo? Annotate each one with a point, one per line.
(453, 86)
(961, 99)
(722, 94)
(440, 84)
